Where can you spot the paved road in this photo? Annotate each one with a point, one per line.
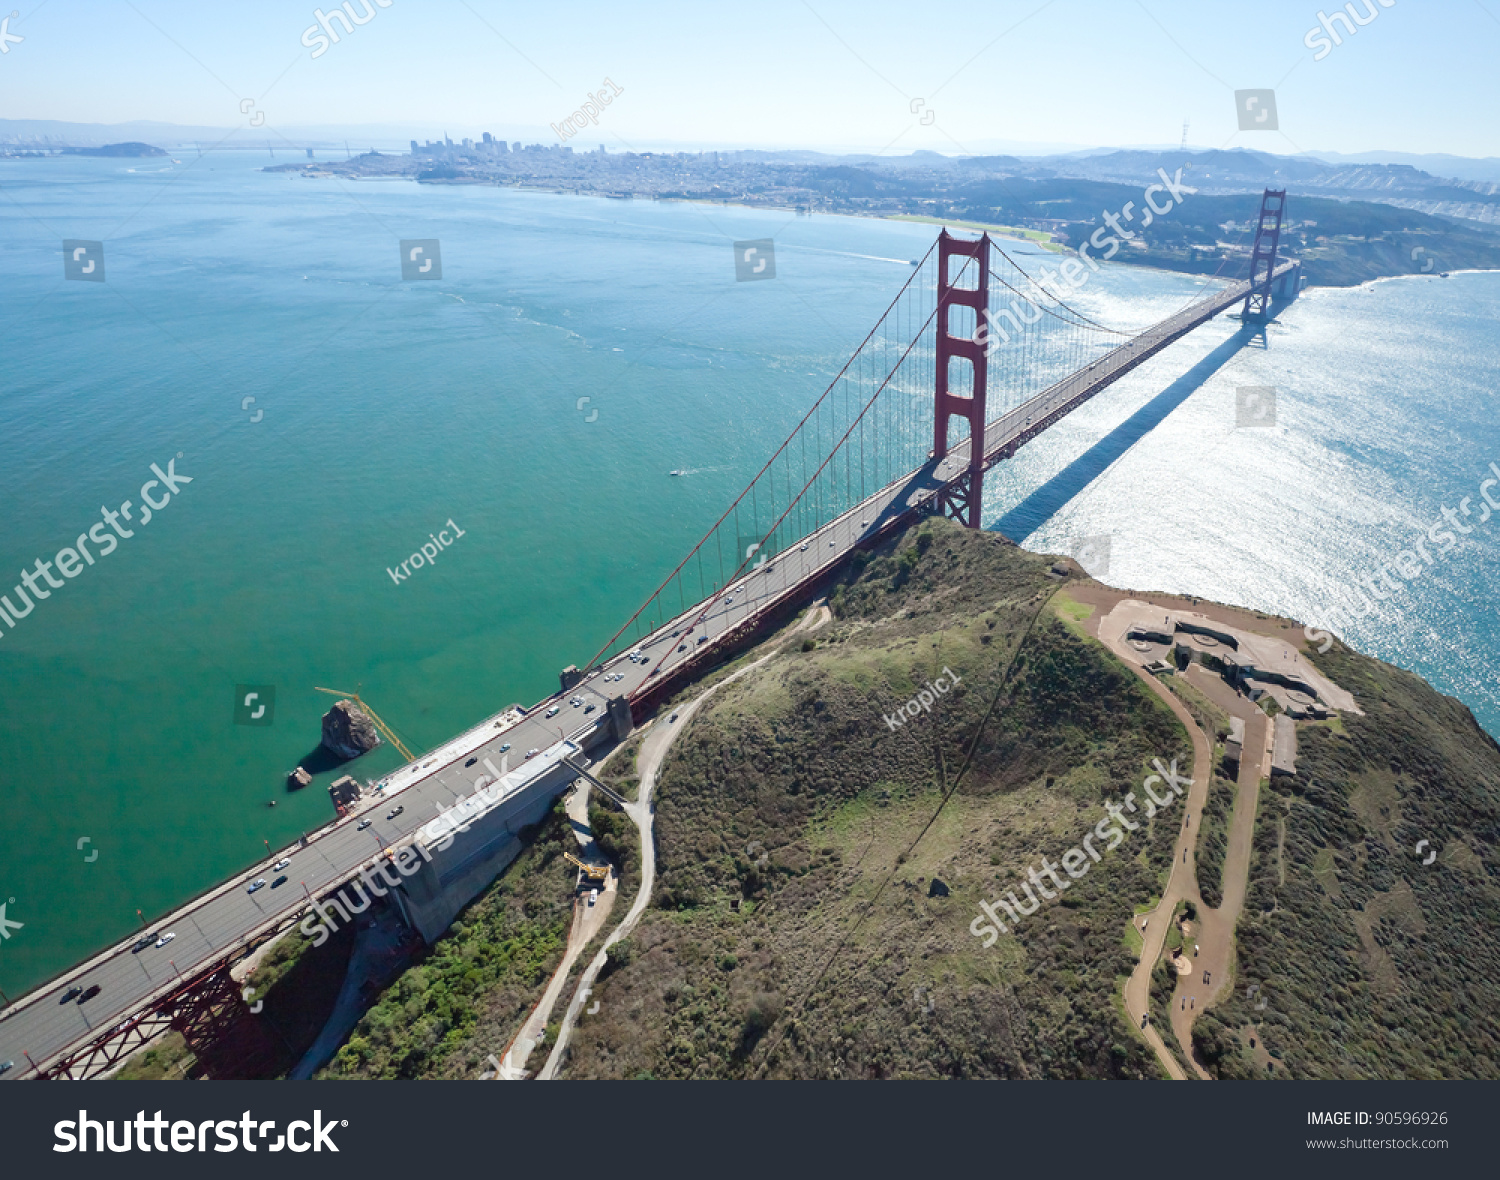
(42, 1026)
(785, 574)
(588, 920)
(652, 753)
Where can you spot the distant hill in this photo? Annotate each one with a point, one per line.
(115, 149)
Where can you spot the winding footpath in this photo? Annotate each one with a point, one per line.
(653, 752)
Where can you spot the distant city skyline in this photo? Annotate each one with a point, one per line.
(1036, 76)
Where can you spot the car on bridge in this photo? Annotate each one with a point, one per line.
(395, 811)
(71, 994)
(93, 990)
(6, 1066)
(533, 752)
(363, 824)
(284, 862)
(258, 883)
(471, 762)
(504, 747)
(143, 942)
(164, 939)
(554, 711)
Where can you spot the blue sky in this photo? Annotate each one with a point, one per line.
(828, 74)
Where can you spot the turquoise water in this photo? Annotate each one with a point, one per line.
(389, 408)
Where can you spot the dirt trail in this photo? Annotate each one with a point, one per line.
(652, 753)
(1182, 883)
(588, 920)
(1214, 936)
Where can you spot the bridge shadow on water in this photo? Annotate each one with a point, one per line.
(1039, 507)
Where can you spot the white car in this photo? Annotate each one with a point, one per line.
(258, 883)
(554, 711)
(593, 896)
(284, 862)
(533, 752)
(802, 548)
(164, 939)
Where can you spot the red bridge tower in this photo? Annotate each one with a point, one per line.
(962, 498)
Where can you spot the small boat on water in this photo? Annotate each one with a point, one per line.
(675, 473)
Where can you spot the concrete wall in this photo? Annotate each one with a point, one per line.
(432, 898)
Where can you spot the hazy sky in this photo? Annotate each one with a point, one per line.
(1420, 77)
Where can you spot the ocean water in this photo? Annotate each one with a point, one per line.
(385, 409)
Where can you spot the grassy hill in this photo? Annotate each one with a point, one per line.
(819, 870)
(1373, 964)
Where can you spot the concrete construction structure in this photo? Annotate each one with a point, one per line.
(472, 843)
(1234, 744)
(1284, 747)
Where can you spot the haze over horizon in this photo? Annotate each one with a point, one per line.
(828, 76)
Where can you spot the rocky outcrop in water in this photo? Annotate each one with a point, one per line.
(347, 732)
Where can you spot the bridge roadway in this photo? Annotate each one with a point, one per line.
(228, 917)
(783, 577)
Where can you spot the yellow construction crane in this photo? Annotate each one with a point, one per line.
(370, 713)
(592, 872)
